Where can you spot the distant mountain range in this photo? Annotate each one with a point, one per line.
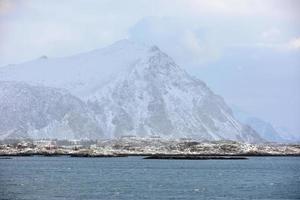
(264, 128)
(123, 89)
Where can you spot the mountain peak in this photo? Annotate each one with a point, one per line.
(154, 48)
(43, 57)
(135, 89)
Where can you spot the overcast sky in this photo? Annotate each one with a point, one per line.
(248, 51)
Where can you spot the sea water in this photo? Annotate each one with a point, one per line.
(49, 178)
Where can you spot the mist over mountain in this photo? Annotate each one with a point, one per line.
(123, 89)
(265, 129)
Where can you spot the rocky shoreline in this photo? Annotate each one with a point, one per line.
(194, 157)
(153, 148)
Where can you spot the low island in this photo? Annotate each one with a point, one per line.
(152, 148)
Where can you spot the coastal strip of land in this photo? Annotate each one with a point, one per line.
(151, 148)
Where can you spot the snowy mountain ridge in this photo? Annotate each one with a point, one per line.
(265, 129)
(136, 90)
(79, 74)
(42, 112)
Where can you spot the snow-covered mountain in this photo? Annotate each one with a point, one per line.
(41, 112)
(81, 74)
(265, 129)
(136, 90)
(288, 135)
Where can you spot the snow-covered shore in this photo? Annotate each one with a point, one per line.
(144, 146)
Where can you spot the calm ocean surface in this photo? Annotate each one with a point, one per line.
(50, 178)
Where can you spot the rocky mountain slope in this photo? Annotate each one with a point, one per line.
(42, 112)
(131, 90)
